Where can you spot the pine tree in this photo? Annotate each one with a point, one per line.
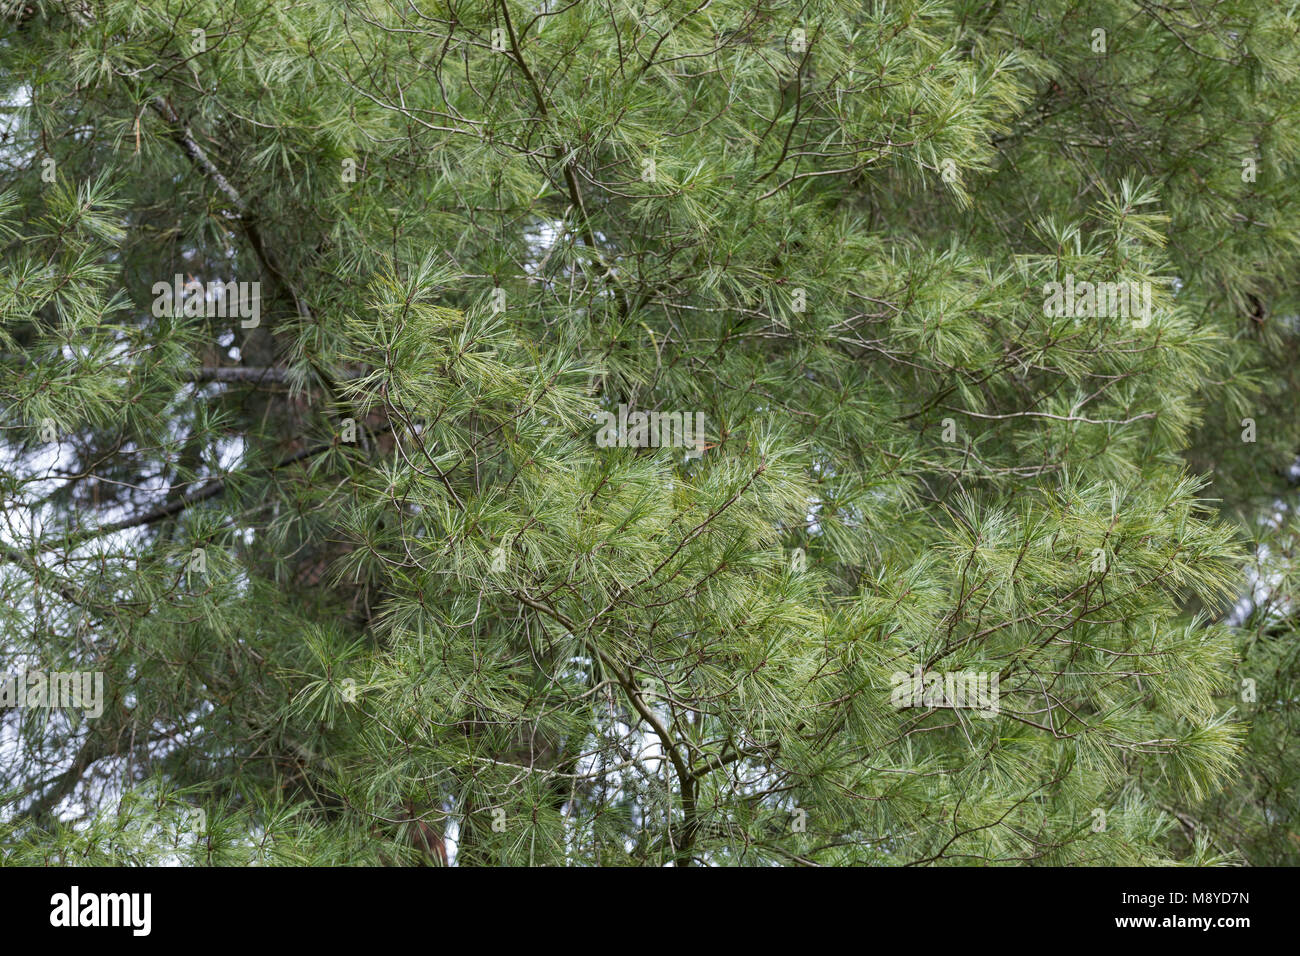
(640, 434)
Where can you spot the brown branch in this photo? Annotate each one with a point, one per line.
(252, 374)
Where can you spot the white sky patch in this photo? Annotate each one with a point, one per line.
(12, 113)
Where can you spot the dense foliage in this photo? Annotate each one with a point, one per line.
(363, 581)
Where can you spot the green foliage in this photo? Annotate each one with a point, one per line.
(361, 578)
